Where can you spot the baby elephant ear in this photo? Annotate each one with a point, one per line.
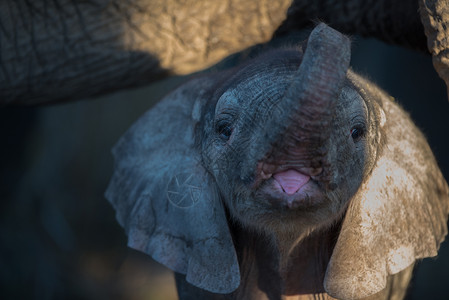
(399, 214)
(166, 201)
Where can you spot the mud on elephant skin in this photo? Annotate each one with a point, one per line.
(67, 50)
(290, 170)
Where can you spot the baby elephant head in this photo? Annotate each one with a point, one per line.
(287, 144)
(288, 137)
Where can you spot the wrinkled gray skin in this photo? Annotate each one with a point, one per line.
(194, 182)
(253, 97)
(67, 50)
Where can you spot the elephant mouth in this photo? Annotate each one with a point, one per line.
(288, 187)
(290, 181)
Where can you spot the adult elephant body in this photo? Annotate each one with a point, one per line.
(56, 50)
(68, 49)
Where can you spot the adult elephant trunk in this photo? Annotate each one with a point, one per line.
(308, 106)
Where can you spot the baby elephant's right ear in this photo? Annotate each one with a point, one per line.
(165, 199)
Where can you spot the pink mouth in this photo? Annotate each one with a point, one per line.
(290, 181)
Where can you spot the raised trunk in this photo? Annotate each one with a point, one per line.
(310, 103)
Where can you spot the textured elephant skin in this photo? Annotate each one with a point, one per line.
(65, 49)
(68, 50)
(396, 22)
(435, 17)
(287, 177)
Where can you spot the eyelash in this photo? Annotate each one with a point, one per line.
(357, 133)
(224, 129)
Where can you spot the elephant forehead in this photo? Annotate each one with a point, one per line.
(351, 104)
(253, 91)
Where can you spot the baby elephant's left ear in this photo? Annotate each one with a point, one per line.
(399, 214)
(164, 198)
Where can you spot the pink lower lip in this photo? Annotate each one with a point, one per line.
(290, 181)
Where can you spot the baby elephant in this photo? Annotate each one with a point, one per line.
(289, 177)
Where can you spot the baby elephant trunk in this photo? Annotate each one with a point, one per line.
(311, 101)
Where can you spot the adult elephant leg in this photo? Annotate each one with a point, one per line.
(435, 17)
(52, 50)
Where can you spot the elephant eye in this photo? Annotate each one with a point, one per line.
(357, 133)
(224, 129)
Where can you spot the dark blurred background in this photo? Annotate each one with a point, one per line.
(58, 235)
